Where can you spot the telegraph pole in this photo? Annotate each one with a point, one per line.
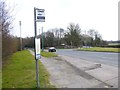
(20, 36)
(42, 40)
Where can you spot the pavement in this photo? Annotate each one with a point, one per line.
(67, 72)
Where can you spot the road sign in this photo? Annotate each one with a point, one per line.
(40, 15)
(37, 48)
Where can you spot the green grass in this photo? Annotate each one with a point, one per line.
(0, 79)
(20, 72)
(48, 54)
(100, 49)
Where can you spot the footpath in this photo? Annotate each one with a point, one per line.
(67, 72)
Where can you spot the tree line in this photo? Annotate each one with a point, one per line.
(73, 37)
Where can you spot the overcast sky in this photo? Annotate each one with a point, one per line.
(100, 15)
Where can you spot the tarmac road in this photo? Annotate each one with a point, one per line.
(68, 72)
(99, 57)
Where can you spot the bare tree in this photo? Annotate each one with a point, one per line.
(96, 38)
(9, 42)
(58, 36)
(49, 39)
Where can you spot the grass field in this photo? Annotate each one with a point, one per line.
(48, 54)
(20, 72)
(99, 49)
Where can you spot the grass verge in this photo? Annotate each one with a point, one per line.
(20, 72)
(48, 54)
(99, 49)
(0, 79)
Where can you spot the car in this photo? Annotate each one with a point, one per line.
(52, 49)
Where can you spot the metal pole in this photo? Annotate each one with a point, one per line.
(42, 40)
(37, 70)
(35, 22)
(20, 36)
(37, 74)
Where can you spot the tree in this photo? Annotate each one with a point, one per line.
(9, 42)
(58, 36)
(91, 34)
(73, 36)
(96, 38)
(28, 42)
(49, 39)
(86, 39)
(4, 27)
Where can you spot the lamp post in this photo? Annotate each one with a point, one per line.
(20, 36)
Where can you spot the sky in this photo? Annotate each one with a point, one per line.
(100, 15)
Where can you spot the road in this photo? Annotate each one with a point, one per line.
(99, 57)
(68, 72)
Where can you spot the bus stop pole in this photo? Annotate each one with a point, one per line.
(37, 66)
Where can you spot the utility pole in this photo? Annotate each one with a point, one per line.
(20, 36)
(42, 40)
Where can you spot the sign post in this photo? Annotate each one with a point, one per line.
(39, 16)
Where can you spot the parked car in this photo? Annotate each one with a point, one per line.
(52, 49)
